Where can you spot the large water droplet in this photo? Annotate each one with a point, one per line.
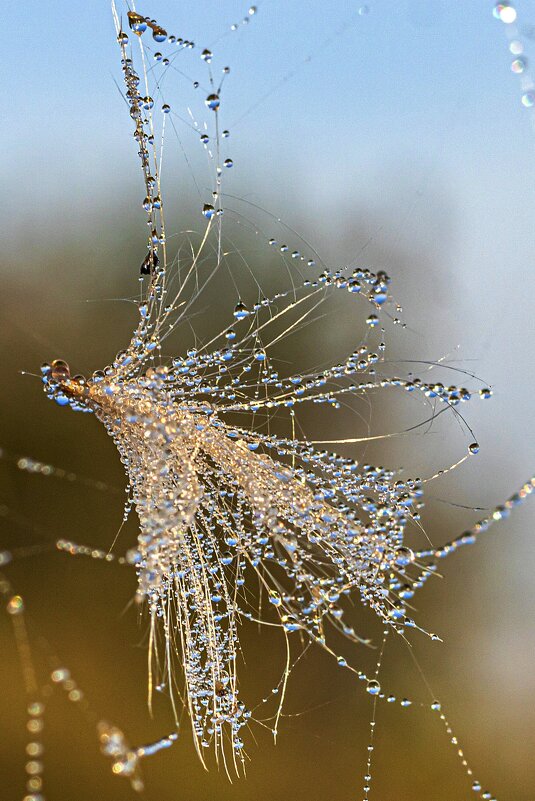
(158, 34)
(505, 12)
(213, 102)
(136, 22)
(373, 687)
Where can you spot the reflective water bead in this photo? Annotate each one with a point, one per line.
(274, 598)
(213, 102)
(15, 605)
(207, 56)
(158, 34)
(240, 311)
(208, 211)
(519, 65)
(228, 163)
(373, 687)
(528, 99)
(516, 47)
(136, 22)
(505, 12)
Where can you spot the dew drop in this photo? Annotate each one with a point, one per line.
(158, 34)
(208, 211)
(505, 12)
(228, 163)
(274, 598)
(15, 605)
(528, 99)
(373, 687)
(240, 311)
(474, 447)
(213, 102)
(136, 22)
(519, 65)
(207, 56)
(516, 47)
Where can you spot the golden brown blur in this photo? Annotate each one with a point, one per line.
(69, 282)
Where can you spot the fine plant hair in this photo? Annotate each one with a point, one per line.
(243, 516)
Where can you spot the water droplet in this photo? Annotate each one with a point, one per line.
(485, 393)
(149, 263)
(474, 447)
(516, 47)
(15, 605)
(519, 65)
(225, 134)
(275, 598)
(213, 102)
(404, 556)
(158, 34)
(240, 311)
(373, 687)
(252, 11)
(363, 10)
(505, 12)
(136, 22)
(228, 163)
(372, 320)
(208, 211)
(528, 99)
(207, 56)
(166, 108)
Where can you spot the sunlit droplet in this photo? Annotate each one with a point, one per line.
(505, 12)
(213, 102)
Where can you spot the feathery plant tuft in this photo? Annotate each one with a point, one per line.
(234, 501)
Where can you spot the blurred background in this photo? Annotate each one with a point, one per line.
(392, 135)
